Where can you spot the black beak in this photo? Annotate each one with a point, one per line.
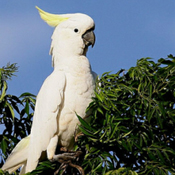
(89, 38)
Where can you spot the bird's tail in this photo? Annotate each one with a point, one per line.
(18, 157)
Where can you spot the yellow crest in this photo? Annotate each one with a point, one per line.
(51, 19)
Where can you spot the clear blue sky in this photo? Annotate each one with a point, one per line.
(126, 30)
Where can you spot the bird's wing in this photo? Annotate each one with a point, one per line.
(45, 126)
(95, 76)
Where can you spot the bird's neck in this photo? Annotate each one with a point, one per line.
(74, 64)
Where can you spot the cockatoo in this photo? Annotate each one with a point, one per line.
(64, 94)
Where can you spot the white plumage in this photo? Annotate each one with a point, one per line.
(65, 93)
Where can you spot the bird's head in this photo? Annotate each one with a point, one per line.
(73, 32)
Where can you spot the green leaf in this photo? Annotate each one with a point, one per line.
(86, 132)
(84, 123)
(27, 107)
(11, 110)
(3, 91)
(127, 134)
(4, 146)
(99, 96)
(114, 130)
(97, 167)
(26, 94)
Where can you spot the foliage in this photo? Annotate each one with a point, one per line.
(15, 113)
(132, 123)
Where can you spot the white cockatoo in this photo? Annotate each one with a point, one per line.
(64, 94)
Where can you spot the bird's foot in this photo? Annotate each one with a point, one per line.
(63, 157)
(63, 167)
(76, 154)
(78, 135)
(66, 159)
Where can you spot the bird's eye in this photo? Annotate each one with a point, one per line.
(75, 30)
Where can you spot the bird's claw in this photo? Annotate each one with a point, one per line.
(79, 168)
(63, 157)
(78, 135)
(66, 160)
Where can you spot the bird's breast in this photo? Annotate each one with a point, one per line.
(78, 94)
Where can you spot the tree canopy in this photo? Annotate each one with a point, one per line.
(15, 113)
(132, 123)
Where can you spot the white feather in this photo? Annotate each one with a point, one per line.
(65, 93)
(18, 156)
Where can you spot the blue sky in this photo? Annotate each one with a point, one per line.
(125, 31)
